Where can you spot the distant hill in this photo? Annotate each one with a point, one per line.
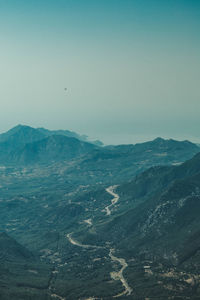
(25, 145)
(69, 134)
(51, 149)
(23, 134)
(20, 135)
(121, 163)
(159, 147)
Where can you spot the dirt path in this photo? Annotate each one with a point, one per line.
(76, 243)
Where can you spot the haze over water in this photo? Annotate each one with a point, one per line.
(131, 68)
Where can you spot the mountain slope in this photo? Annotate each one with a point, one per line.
(117, 164)
(21, 135)
(160, 197)
(69, 133)
(51, 149)
(56, 202)
(155, 227)
(22, 275)
(24, 144)
(10, 250)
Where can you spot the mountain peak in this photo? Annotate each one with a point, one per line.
(159, 140)
(21, 134)
(18, 128)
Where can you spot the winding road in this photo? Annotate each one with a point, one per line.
(114, 275)
(110, 190)
(119, 275)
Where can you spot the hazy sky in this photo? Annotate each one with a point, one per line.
(131, 67)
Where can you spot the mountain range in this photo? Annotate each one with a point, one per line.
(80, 220)
(24, 145)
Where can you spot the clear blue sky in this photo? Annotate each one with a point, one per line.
(131, 68)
